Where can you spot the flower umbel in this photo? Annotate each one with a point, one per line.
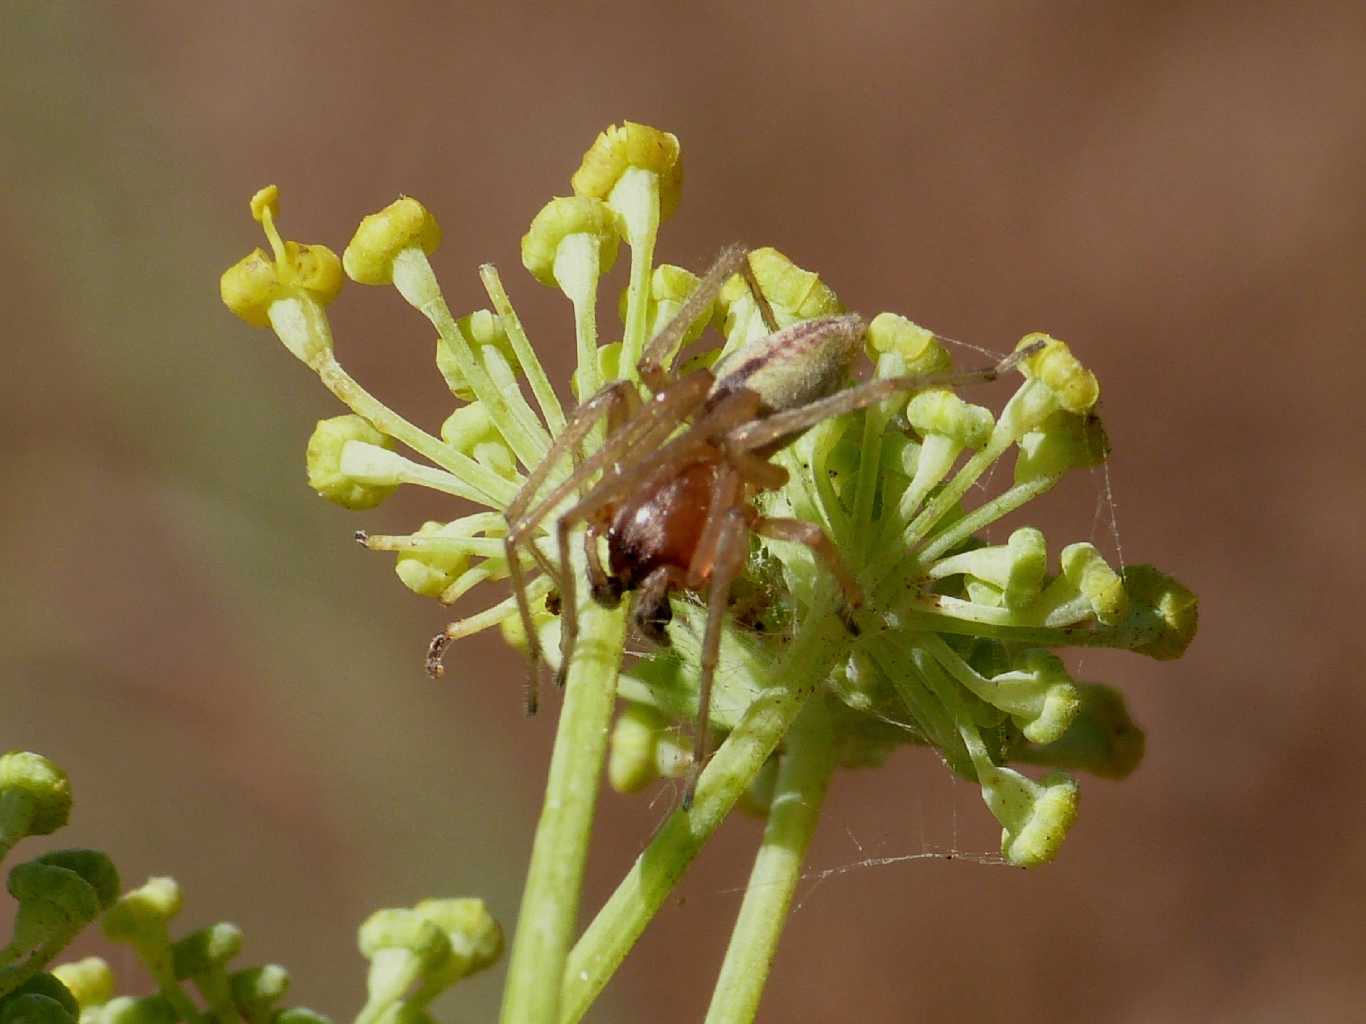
(894, 621)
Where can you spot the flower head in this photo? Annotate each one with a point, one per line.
(952, 644)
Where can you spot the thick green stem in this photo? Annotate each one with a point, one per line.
(642, 892)
(803, 775)
(550, 902)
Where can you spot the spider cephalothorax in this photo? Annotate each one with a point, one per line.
(655, 533)
(671, 488)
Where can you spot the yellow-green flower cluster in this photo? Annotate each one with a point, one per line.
(952, 645)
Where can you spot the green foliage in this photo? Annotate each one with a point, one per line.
(61, 892)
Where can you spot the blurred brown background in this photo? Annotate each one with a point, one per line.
(236, 689)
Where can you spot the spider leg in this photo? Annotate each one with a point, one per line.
(616, 400)
(732, 259)
(664, 344)
(525, 514)
(726, 560)
(646, 468)
(532, 698)
(669, 408)
(640, 468)
(609, 401)
(760, 299)
(754, 469)
(763, 432)
(604, 587)
(798, 531)
(569, 611)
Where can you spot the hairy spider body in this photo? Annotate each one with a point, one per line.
(664, 525)
(792, 367)
(671, 488)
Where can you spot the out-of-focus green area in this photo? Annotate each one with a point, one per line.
(236, 689)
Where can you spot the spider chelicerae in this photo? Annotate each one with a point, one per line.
(671, 489)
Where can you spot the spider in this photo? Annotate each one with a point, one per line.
(671, 489)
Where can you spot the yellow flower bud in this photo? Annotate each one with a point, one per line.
(514, 633)
(89, 980)
(470, 429)
(670, 287)
(1172, 610)
(1063, 441)
(670, 283)
(429, 573)
(565, 216)
(1016, 567)
(249, 286)
(631, 145)
(265, 203)
(1035, 816)
(800, 293)
(475, 937)
(916, 345)
(480, 328)
(1086, 569)
(940, 411)
(144, 910)
(1074, 386)
(315, 269)
(324, 462)
(403, 224)
(609, 365)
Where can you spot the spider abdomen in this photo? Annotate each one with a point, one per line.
(661, 526)
(807, 360)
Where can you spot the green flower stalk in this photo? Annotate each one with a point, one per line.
(909, 626)
(141, 919)
(571, 244)
(638, 171)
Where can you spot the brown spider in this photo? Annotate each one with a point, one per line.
(679, 470)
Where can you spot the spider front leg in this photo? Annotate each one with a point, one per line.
(790, 422)
(616, 401)
(718, 559)
(727, 562)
